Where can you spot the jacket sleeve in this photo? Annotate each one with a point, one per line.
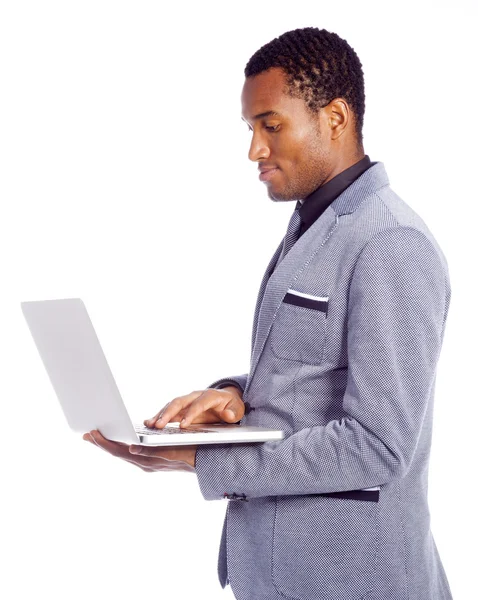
(238, 380)
(398, 302)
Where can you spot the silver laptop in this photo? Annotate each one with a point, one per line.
(82, 380)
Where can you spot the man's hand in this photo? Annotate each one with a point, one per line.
(204, 406)
(148, 458)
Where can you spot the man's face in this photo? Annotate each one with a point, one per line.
(289, 141)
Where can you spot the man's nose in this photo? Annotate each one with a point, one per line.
(259, 148)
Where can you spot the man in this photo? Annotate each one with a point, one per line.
(346, 338)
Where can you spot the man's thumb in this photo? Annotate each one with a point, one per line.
(230, 413)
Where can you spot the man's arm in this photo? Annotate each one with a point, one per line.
(398, 302)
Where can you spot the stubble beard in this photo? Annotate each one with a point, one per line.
(311, 175)
(305, 183)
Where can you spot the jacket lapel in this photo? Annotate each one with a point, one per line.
(260, 295)
(274, 288)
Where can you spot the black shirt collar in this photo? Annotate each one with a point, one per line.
(316, 202)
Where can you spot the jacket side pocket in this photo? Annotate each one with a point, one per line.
(324, 547)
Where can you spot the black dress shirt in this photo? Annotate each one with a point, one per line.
(314, 205)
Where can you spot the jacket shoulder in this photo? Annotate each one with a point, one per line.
(385, 211)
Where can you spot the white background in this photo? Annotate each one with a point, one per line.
(125, 181)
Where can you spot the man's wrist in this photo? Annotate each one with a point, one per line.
(189, 457)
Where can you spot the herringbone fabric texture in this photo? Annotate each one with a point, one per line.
(346, 338)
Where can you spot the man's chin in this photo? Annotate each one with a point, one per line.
(276, 196)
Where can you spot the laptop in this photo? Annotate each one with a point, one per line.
(83, 382)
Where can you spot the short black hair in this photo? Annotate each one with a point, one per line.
(319, 66)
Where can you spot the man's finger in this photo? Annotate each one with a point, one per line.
(209, 399)
(152, 451)
(139, 450)
(121, 450)
(166, 413)
(103, 443)
(173, 408)
(158, 415)
(230, 413)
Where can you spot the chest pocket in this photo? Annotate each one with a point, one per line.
(299, 329)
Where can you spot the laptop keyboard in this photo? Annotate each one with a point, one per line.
(142, 430)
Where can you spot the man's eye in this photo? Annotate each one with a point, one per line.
(271, 128)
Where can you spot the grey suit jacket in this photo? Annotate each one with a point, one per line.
(346, 339)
